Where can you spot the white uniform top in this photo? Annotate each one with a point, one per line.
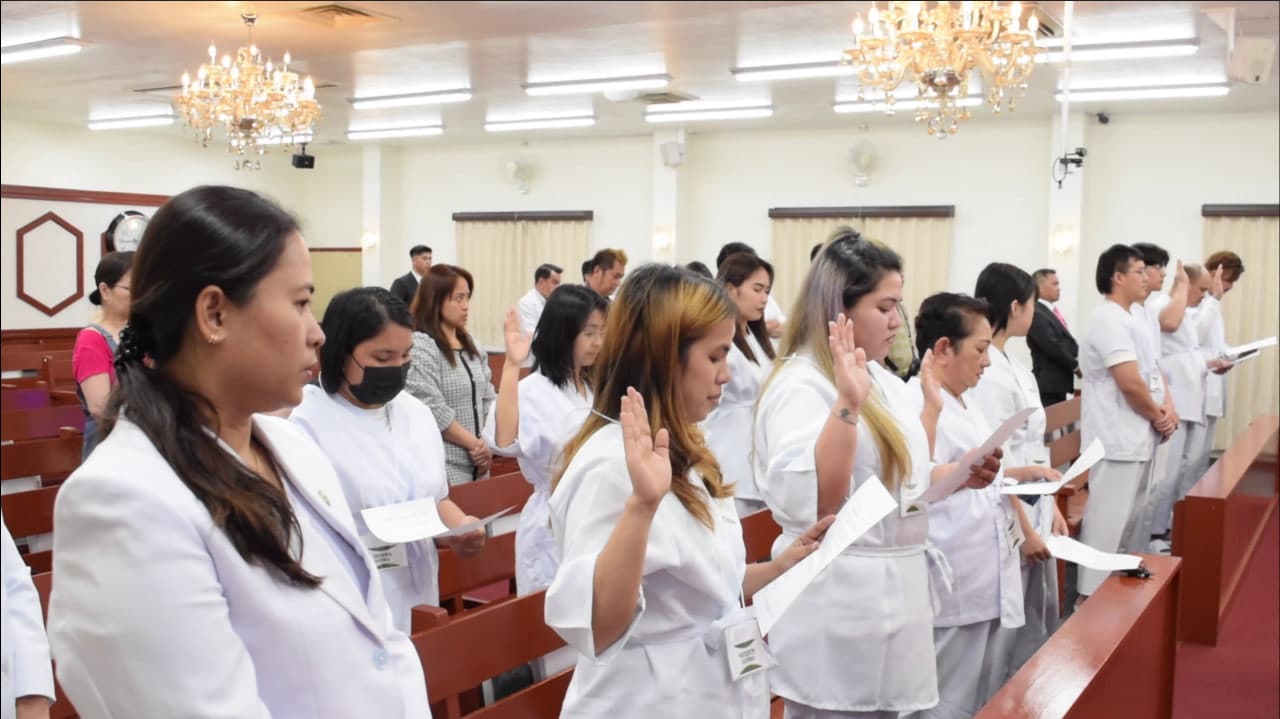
(972, 526)
(383, 456)
(155, 613)
(1005, 389)
(529, 308)
(773, 311)
(1114, 337)
(671, 661)
(860, 638)
(728, 427)
(549, 417)
(1212, 333)
(25, 669)
(1182, 361)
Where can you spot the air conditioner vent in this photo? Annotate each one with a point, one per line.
(341, 17)
(664, 98)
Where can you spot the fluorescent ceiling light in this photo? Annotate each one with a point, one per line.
(438, 97)
(694, 112)
(390, 132)
(121, 123)
(1145, 93)
(764, 73)
(1124, 51)
(40, 49)
(882, 106)
(571, 87)
(540, 123)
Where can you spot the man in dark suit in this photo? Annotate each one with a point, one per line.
(1053, 349)
(406, 286)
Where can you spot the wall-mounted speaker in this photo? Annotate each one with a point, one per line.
(1251, 60)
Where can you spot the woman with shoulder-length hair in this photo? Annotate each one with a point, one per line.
(448, 373)
(747, 279)
(207, 563)
(654, 568)
(859, 641)
(382, 441)
(535, 416)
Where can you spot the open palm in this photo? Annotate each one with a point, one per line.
(517, 341)
(930, 385)
(648, 455)
(848, 362)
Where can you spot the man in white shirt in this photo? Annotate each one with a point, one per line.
(1224, 269)
(545, 280)
(774, 319)
(1122, 405)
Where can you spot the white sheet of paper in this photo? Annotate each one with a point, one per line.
(482, 522)
(945, 486)
(1092, 454)
(1251, 347)
(870, 504)
(1069, 550)
(402, 522)
(1236, 362)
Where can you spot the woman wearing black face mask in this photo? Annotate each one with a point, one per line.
(383, 442)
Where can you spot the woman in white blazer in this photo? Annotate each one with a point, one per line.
(381, 440)
(205, 560)
(858, 642)
(535, 416)
(1006, 388)
(654, 568)
(26, 676)
(748, 279)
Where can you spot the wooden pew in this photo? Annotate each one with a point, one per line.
(480, 645)
(1062, 437)
(40, 423)
(487, 496)
(1113, 658)
(61, 708)
(50, 459)
(758, 533)
(1217, 526)
(13, 396)
(28, 513)
(460, 575)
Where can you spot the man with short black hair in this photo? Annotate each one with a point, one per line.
(545, 280)
(603, 272)
(1053, 349)
(406, 286)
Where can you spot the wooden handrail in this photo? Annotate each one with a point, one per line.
(1221, 479)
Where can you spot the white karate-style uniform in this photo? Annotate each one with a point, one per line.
(549, 416)
(1211, 330)
(383, 456)
(25, 668)
(1185, 368)
(1005, 389)
(1148, 315)
(155, 614)
(1119, 482)
(859, 640)
(672, 660)
(977, 531)
(728, 427)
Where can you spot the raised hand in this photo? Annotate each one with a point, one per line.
(929, 382)
(517, 341)
(848, 362)
(805, 544)
(648, 455)
(1215, 283)
(1179, 276)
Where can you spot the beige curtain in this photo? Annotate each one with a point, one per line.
(502, 257)
(1251, 311)
(923, 242)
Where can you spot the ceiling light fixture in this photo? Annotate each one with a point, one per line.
(571, 87)
(51, 47)
(121, 123)
(386, 133)
(540, 123)
(1123, 51)
(882, 106)
(674, 113)
(437, 97)
(796, 71)
(1145, 93)
(250, 97)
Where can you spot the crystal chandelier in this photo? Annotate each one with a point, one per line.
(937, 48)
(257, 102)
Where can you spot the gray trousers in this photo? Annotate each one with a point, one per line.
(1112, 512)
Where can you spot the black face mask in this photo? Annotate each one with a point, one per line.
(380, 384)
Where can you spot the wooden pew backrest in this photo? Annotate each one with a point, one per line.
(759, 532)
(487, 496)
(40, 423)
(53, 457)
(458, 575)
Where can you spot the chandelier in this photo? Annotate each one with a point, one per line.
(256, 102)
(937, 47)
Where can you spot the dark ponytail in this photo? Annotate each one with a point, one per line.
(229, 238)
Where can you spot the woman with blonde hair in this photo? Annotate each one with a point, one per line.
(653, 570)
(859, 641)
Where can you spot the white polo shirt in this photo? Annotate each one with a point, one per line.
(1115, 336)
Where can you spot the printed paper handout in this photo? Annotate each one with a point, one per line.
(1069, 550)
(1093, 454)
(947, 485)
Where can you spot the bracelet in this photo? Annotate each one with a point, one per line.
(846, 415)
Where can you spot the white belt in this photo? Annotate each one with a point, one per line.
(941, 576)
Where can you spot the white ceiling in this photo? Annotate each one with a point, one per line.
(494, 47)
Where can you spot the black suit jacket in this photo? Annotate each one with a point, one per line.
(405, 287)
(1053, 352)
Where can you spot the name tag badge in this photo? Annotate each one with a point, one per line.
(1156, 386)
(747, 653)
(385, 556)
